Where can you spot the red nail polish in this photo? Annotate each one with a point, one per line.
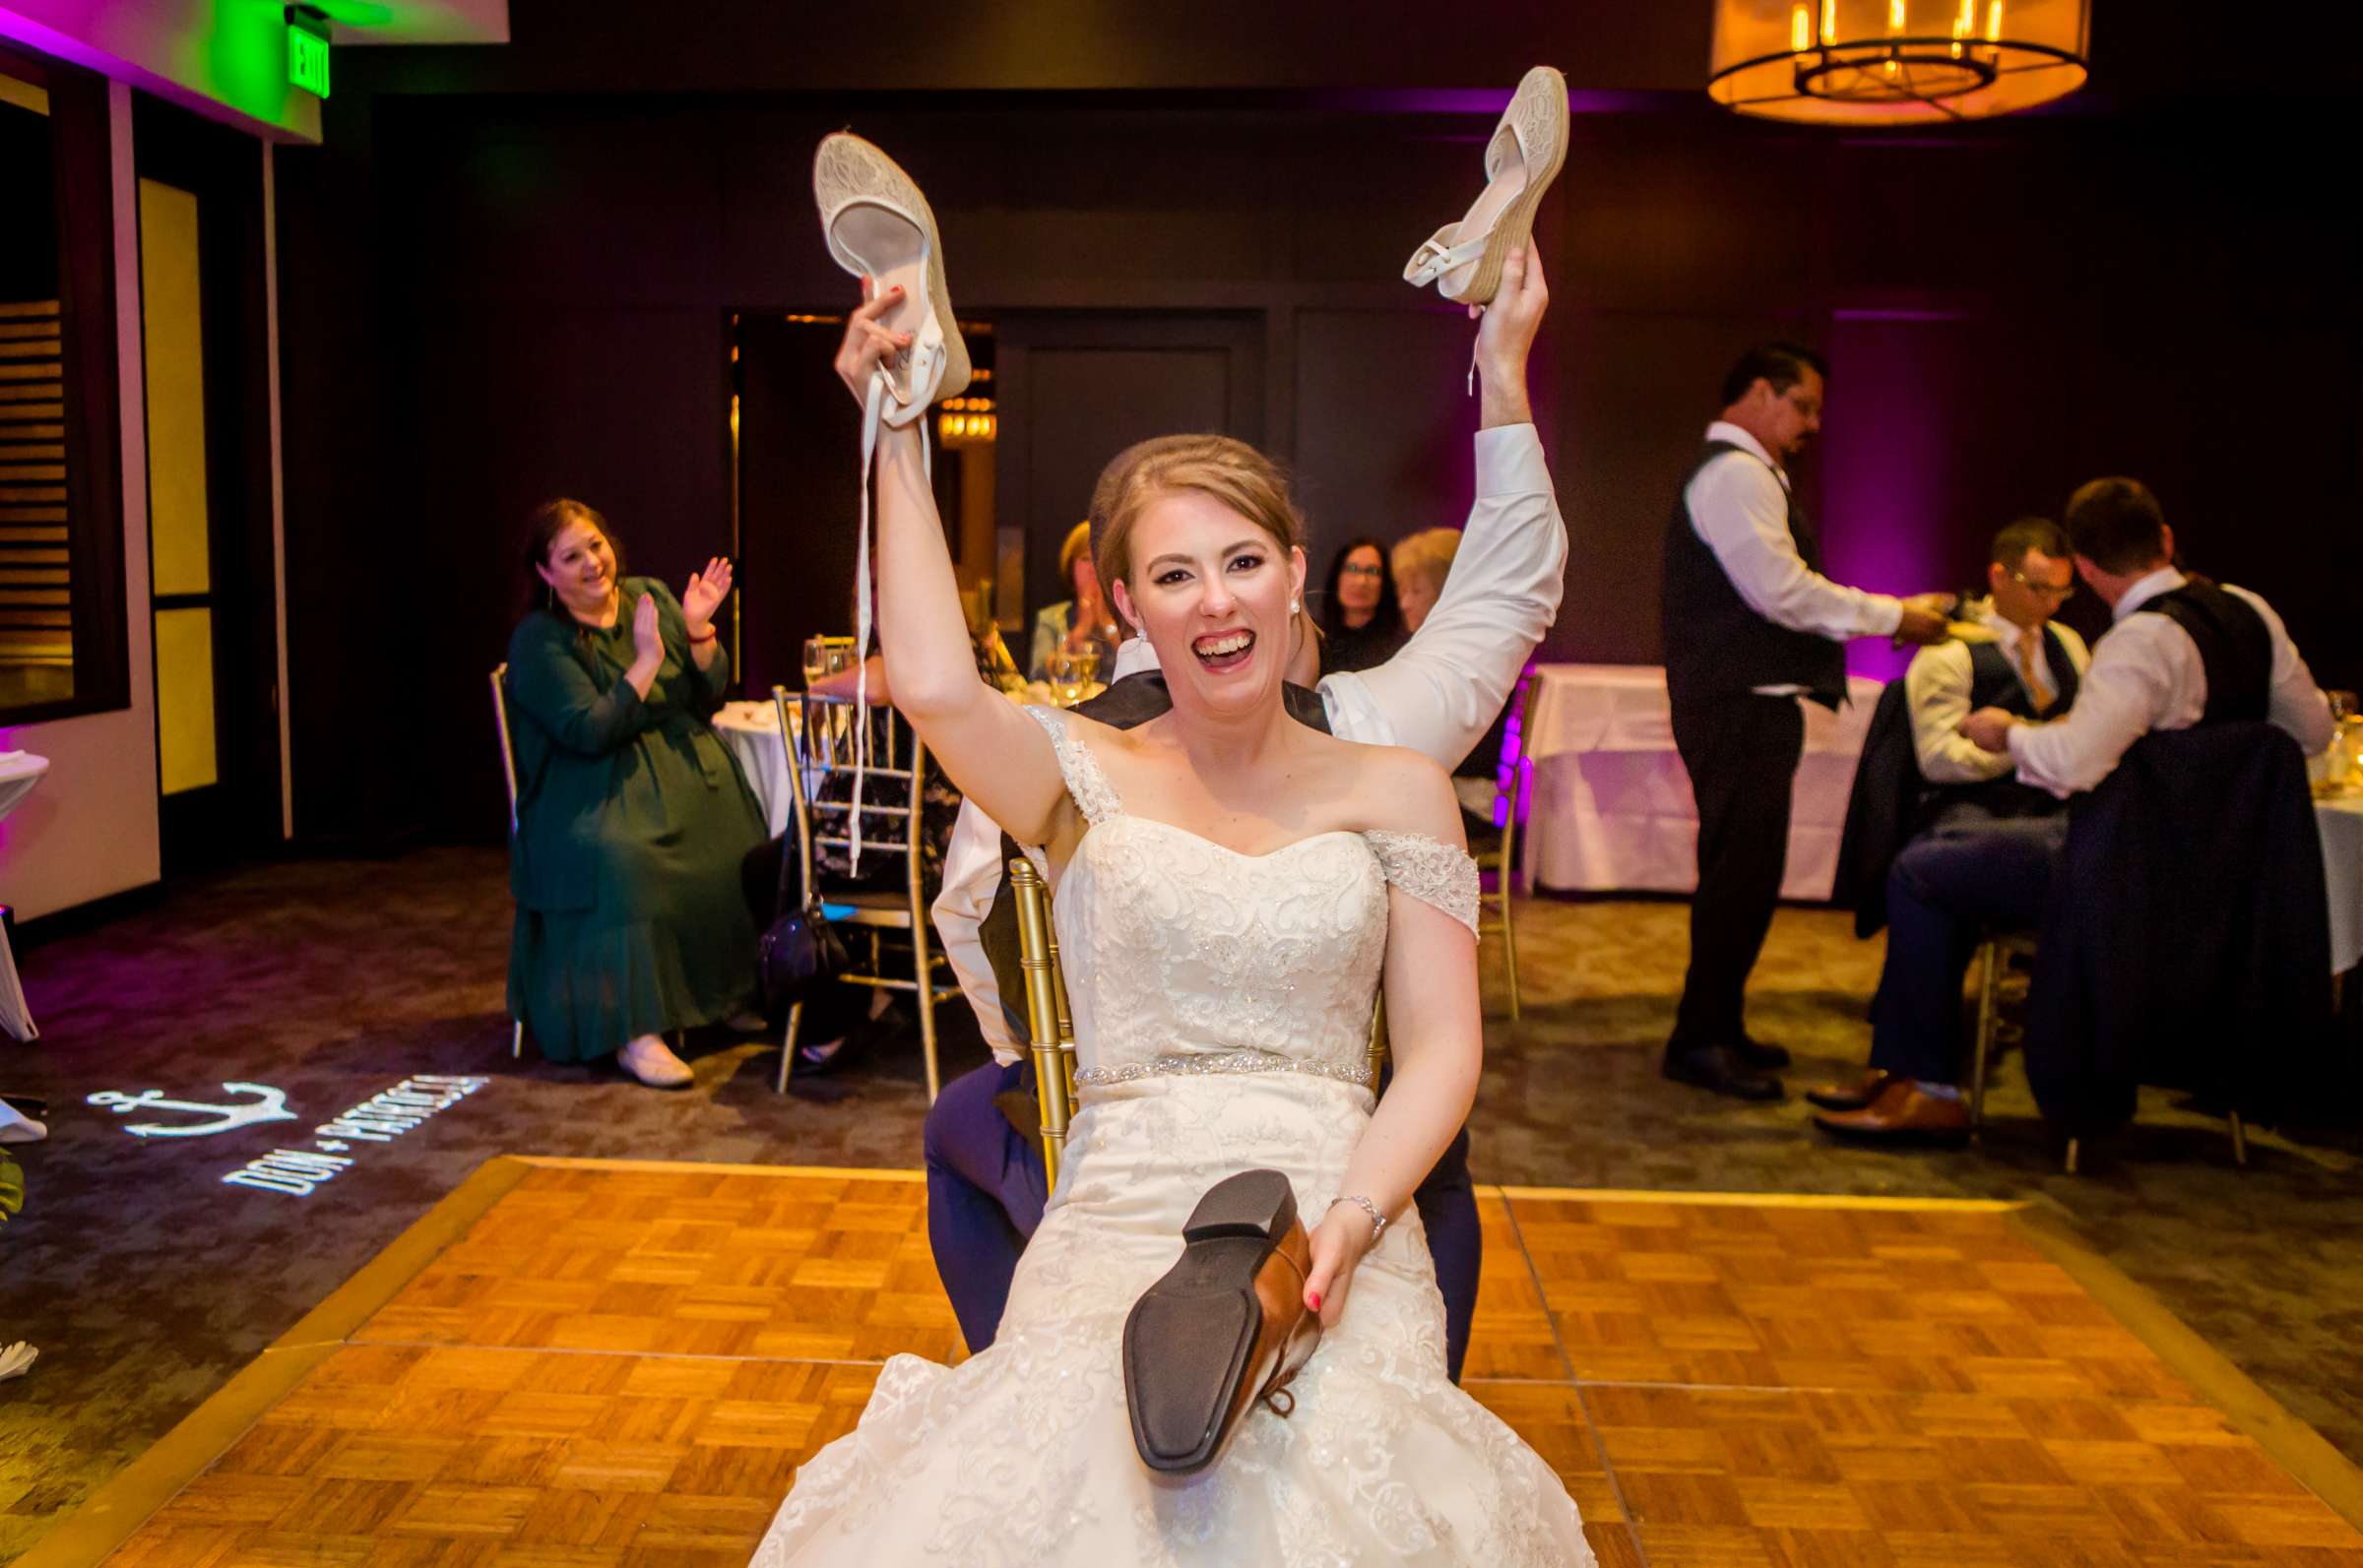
(1315, 1299)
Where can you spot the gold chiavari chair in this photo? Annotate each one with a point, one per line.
(508, 771)
(1501, 858)
(1050, 1024)
(822, 745)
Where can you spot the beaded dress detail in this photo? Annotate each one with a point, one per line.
(1222, 1007)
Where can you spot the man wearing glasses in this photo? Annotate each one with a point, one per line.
(1982, 860)
(1749, 626)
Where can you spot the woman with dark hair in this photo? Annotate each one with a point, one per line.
(1362, 622)
(632, 816)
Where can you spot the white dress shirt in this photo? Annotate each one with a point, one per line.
(2147, 675)
(1739, 503)
(1438, 695)
(1937, 684)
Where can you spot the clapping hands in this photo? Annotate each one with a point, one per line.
(705, 594)
(648, 641)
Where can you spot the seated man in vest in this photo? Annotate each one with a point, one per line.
(2182, 651)
(1977, 827)
(986, 1183)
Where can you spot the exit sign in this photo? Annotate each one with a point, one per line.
(307, 60)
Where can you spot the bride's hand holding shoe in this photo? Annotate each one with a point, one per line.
(1338, 1244)
(1505, 334)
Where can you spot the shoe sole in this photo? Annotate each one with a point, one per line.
(847, 170)
(1190, 1339)
(1543, 94)
(1900, 1138)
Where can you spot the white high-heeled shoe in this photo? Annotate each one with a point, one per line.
(880, 227)
(1529, 143)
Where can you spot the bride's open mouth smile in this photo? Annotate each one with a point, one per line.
(1221, 652)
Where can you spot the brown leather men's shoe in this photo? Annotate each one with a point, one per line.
(1902, 1114)
(1226, 1326)
(1848, 1096)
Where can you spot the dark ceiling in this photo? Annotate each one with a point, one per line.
(2143, 50)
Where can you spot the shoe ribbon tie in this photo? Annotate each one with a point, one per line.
(1434, 258)
(874, 411)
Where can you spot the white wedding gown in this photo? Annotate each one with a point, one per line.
(1221, 1005)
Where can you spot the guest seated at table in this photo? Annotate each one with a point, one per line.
(1082, 623)
(632, 815)
(2183, 652)
(1971, 834)
(1362, 624)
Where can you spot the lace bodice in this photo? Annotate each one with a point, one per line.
(1173, 946)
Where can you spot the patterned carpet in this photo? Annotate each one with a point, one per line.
(148, 1282)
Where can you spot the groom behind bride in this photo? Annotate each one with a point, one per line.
(986, 1182)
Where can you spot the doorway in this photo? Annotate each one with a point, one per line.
(213, 568)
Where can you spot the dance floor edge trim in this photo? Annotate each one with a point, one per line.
(112, 1515)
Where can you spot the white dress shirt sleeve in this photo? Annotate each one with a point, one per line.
(1742, 512)
(2296, 704)
(972, 874)
(1937, 690)
(2127, 692)
(1439, 694)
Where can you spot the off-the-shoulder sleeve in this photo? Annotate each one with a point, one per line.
(1430, 870)
(1093, 795)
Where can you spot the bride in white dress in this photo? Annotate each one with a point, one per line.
(1231, 889)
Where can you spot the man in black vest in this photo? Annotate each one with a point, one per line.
(1749, 626)
(1978, 840)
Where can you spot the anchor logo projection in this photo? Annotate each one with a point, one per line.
(267, 1105)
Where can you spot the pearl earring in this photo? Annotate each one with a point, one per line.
(1292, 606)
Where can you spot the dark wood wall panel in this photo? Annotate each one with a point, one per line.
(531, 294)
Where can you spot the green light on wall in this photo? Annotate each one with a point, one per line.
(307, 58)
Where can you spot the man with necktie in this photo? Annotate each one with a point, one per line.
(1983, 840)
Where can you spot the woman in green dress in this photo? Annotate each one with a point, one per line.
(632, 816)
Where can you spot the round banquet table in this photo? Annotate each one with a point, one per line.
(1611, 809)
(2340, 820)
(751, 730)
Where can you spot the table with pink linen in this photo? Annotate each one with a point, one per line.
(1610, 807)
(2341, 819)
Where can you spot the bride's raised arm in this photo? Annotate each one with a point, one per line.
(998, 756)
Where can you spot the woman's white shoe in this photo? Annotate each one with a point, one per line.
(652, 1061)
(880, 227)
(1529, 143)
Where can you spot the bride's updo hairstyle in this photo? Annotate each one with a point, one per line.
(1230, 472)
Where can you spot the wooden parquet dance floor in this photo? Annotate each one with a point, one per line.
(577, 1362)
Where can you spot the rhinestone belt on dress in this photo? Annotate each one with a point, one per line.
(1222, 1062)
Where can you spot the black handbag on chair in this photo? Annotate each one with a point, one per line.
(800, 950)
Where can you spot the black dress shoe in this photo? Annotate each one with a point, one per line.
(1718, 1068)
(1759, 1055)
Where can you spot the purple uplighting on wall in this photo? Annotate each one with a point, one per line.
(1889, 460)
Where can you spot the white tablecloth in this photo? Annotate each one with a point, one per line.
(20, 771)
(2342, 824)
(751, 730)
(1611, 807)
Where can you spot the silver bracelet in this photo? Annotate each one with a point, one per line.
(1377, 1220)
